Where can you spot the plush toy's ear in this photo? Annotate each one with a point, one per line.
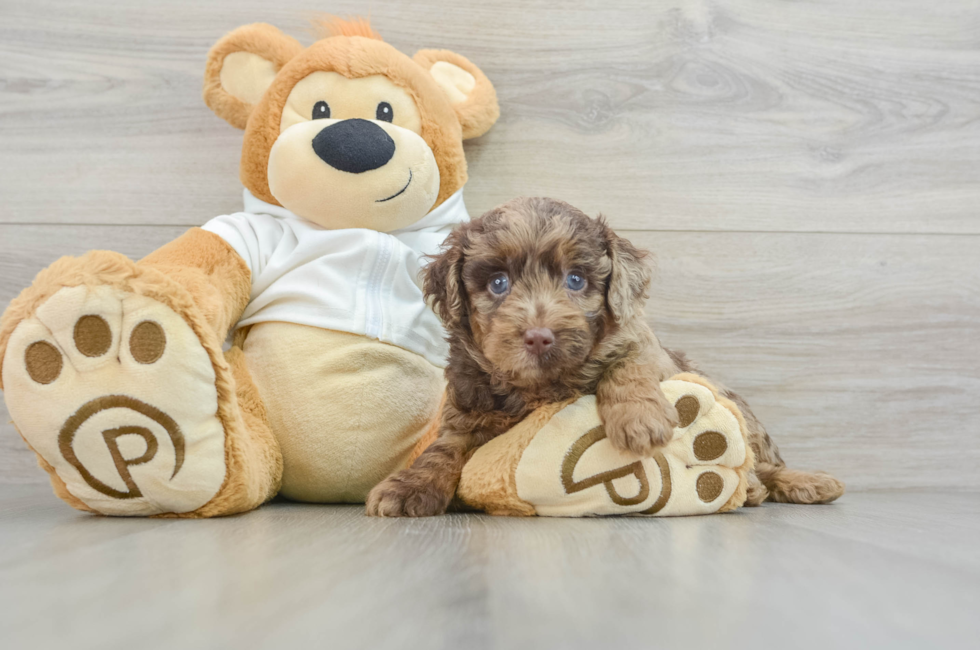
(240, 68)
(630, 277)
(468, 89)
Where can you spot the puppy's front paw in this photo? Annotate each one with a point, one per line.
(405, 495)
(638, 426)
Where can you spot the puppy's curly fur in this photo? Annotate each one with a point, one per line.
(517, 268)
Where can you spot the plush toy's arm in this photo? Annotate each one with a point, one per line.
(215, 276)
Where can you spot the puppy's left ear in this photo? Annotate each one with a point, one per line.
(627, 290)
(466, 87)
(442, 282)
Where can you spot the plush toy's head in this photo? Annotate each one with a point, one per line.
(349, 132)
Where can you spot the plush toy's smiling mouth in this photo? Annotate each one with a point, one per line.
(399, 192)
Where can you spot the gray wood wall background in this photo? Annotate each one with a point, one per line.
(806, 173)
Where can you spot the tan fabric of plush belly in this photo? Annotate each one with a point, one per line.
(347, 410)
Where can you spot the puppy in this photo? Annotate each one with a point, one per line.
(543, 304)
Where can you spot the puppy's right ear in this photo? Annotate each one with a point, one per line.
(627, 290)
(240, 68)
(442, 282)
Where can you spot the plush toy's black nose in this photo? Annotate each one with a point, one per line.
(354, 146)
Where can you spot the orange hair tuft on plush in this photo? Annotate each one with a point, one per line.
(328, 26)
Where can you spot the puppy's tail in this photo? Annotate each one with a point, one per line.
(787, 485)
(772, 480)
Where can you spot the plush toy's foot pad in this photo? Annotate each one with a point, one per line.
(558, 462)
(116, 393)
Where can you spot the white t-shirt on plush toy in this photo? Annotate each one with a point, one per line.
(351, 280)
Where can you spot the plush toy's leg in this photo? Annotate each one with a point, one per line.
(113, 373)
(253, 457)
(558, 462)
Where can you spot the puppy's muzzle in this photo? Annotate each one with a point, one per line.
(354, 146)
(538, 340)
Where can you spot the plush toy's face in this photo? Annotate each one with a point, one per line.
(350, 153)
(349, 133)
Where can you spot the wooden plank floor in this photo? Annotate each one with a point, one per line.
(877, 569)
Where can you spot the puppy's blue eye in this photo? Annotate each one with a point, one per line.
(574, 282)
(321, 110)
(499, 284)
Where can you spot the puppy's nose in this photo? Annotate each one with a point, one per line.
(538, 340)
(354, 146)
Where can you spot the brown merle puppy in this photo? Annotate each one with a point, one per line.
(542, 304)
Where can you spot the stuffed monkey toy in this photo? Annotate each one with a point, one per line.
(114, 371)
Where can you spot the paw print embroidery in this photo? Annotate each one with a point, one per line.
(115, 392)
(698, 472)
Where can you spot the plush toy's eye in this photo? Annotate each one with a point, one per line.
(321, 110)
(574, 281)
(384, 113)
(499, 284)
